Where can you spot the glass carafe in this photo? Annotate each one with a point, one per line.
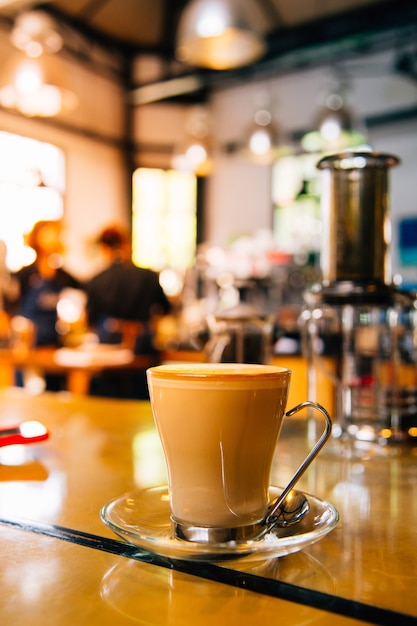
(241, 334)
(368, 352)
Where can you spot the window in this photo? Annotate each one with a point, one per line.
(164, 219)
(32, 184)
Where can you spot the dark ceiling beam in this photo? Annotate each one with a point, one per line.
(365, 21)
(323, 42)
(92, 35)
(172, 13)
(80, 42)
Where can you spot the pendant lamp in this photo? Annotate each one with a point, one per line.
(218, 34)
(336, 127)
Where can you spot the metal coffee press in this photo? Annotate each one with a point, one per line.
(359, 330)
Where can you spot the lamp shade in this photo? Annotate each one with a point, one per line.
(262, 138)
(218, 34)
(193, 154)
(26, 85)
(35, 32)
(336, 127)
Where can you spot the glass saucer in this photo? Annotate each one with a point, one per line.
(142, 518)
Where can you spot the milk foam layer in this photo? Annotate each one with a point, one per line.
(213, 374)
(218, 425)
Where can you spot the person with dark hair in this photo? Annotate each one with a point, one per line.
(123, 291)
(124, 296)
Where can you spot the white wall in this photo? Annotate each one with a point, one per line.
(238, 199)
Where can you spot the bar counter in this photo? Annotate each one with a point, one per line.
(61, 565)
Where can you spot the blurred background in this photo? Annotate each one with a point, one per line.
(112, 112)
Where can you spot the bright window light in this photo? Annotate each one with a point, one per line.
(164, 219)
(32, 184)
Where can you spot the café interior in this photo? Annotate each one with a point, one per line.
(266, 174)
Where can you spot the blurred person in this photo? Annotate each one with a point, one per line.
(124, 302)
(123, 291)
(39, 285)
(37, 289)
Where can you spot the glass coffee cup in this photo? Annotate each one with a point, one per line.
(219, 425)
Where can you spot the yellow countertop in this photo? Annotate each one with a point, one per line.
(61, 565)
(50, 582)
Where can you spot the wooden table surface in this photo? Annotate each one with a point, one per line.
(75, 365)
(61, 565)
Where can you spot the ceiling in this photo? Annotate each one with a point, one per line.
(298, 32)
(150, 25)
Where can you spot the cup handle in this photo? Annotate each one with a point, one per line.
(269, 518)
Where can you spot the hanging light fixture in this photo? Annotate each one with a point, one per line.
(218, 34)
(35, 33)
(193, 156)
(29, 92)
(26, 86)
(262, 137)
(335, 127)
(194, 153)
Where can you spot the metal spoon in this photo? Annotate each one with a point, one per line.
(288, 510)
